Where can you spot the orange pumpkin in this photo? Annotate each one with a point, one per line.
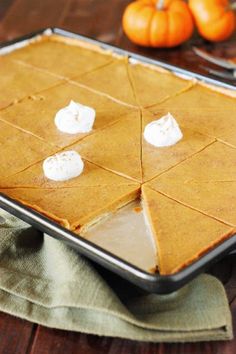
(215, 19)
(158, 23)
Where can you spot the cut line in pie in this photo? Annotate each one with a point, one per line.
(15, 83)
(182, 235)
(205, 182)
(138, 85)
(187, 190)
(116, 147)
(76, 203)
(62, 58)
(43, 108)
(205, 111)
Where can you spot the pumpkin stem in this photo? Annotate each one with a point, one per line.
(160, 4)
(233, 6)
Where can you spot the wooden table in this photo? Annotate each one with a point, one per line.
(100, 19)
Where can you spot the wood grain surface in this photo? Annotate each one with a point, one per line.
(101, 19)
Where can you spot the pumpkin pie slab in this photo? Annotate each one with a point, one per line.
(36, 113)
(189, 211)
(116, 148)
(156, 160)
(181, 234)
(134, 84)
(18, 81)
(205, 111)
(20, 150)
(76, 203)
(205, 182)
(63, 58)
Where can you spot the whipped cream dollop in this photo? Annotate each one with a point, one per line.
(75, 118)
(163, 132)
(63, 166)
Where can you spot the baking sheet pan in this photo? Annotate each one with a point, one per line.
(128, 265)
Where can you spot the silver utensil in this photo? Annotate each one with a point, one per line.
(229, 75)
(224, 63)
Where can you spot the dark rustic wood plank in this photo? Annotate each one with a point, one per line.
(4, 7)
(89, 17)
(230, 286)
(98, 19)
(26, 16)
(15, 334)
(60, 342)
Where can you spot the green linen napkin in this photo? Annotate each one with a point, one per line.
(44, 281)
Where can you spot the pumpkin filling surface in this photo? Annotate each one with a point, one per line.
(76, 202)
(138, 85)
(208, 182)
(205, 111)
(186, 189)
(43, 107)
(19, 81)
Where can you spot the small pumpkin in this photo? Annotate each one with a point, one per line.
(158, 23)
(215, 19)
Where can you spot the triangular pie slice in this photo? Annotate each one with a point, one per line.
(205, 111)
(76, 208)
(18, 81)
(20, 150)
(112, 80)
(181, 234)
(64, 58)
(36, 114)
(215, 199)
(154, 85)
(75, 203)
(92, 194)
(205, 182)
(116, 148)
(215, 163)
(157, 160)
